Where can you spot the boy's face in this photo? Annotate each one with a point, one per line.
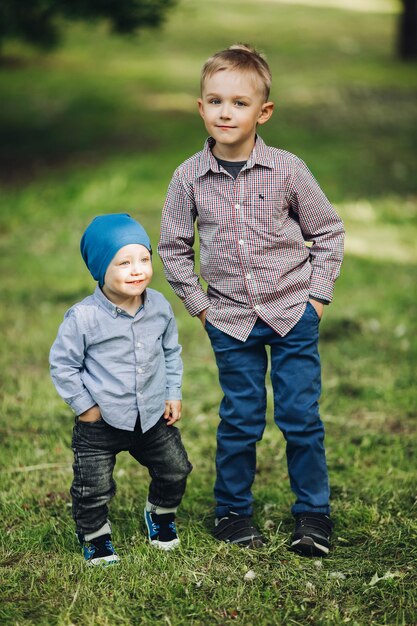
(129, 273)
(232, 104)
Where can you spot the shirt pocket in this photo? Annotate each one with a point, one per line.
(266, 213)
(153, 345)
(157, 345)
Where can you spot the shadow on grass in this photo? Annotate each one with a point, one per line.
(56, 134)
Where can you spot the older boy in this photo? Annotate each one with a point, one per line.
(116, 361)
(255, 206)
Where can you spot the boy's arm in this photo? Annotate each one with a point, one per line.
(173, 361)
(66, 360)
(176, 246)
(173, 368)
(320, 224)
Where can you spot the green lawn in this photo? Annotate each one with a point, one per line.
(98, 126)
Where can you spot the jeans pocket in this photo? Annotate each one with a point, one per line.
(86, 431)
(93, 434)
(312, 311)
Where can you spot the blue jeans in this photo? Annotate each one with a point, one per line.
(296, 382)
(95, 447)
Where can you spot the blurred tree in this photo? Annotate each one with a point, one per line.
(407, 44)
(38, 21)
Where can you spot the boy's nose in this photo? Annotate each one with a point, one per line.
(225, 111)
(136, 268)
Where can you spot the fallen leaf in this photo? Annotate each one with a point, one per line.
(310, 588)
(250, 575)
(387, 576)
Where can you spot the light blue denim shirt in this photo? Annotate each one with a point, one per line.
(124, 364)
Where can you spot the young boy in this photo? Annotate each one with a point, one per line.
(116, 362)
(255, 206)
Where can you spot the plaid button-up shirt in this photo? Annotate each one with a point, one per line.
(252, 233)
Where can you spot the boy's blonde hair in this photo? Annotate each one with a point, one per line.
(240, 57)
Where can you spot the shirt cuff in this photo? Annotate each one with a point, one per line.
(321, 289)
(82, 402)
(173, 393)
(197, 302)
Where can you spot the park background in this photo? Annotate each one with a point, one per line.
(98, 125)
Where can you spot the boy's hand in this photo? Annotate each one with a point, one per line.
(319, 306)
(91, 415)
(172, 411)
(202, 317)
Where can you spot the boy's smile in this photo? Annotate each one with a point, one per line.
(129, 273)
(232, 105)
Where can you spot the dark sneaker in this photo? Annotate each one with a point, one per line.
(239, 530)
(162, 531)
(312, 534)
(100, 551)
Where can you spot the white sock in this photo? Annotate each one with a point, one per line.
(104, 530)
(159, 510)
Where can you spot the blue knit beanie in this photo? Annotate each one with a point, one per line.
(105, 236)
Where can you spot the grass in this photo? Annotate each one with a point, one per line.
(98, 126)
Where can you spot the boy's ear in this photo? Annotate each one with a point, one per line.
(200, 107)
(266, 112)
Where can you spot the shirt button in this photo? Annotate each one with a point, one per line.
(241, 241)
(139, 345)
(248, 276)
(139, 370)
(237, 206)
(119, 310)
(257, 307)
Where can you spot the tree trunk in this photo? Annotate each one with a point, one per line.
(407, 44)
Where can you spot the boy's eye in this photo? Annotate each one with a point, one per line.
(240, 103)
(214, 101)
(124, 263)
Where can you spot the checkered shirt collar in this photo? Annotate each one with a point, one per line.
(258, 156)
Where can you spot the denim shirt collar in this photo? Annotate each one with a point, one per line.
(112, 308)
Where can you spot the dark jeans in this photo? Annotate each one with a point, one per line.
(95, 447)
(296, 382)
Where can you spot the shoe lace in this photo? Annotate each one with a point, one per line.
(89, 551)
(110, 546)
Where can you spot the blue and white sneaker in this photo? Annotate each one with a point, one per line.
(162, 532)
(100, 551)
